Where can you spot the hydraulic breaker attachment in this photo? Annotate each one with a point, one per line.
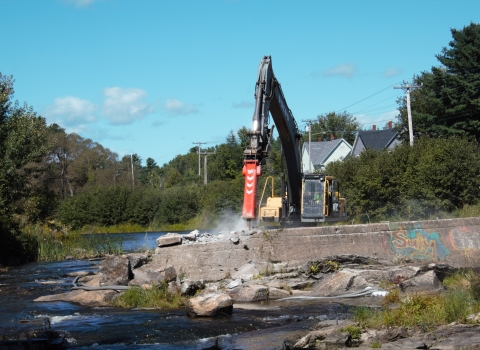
(251, 170)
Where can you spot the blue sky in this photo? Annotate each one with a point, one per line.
(153, 77)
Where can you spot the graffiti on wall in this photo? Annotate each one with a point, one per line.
(465, 239)
(415, 243)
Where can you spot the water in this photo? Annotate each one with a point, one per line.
(112, 328)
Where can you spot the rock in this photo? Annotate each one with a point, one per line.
(192, 236)
(137, 260)
(190, 287)
(235, 239)
(115, 270)
(174, 287)
(169, 239)
(210, 305)
(147, 275)
(250, 293)
(170, 273)
(424, 282)
(335, 283)
(275, 293)
(329, 337)
(234, 283)
(98, 298)
(245, 272)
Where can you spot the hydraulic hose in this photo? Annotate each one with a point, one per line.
(367, 291)
(81, 286)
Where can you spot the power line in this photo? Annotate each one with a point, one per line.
(366, 98)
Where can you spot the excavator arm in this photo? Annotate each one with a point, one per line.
(269, 100)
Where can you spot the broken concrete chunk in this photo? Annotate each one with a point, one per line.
(235, 239)
(192, 236)
(169, 239)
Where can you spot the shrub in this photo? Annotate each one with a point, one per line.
(156, 297)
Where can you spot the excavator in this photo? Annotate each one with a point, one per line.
(306, 198)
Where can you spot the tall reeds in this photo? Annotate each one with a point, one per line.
(54, 244)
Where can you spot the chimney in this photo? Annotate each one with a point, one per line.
(319, 139)
(374, 127)
(332, 137)
(390, 124)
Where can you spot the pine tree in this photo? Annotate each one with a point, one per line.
(449, 102)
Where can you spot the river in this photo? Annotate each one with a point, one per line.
(111, 328)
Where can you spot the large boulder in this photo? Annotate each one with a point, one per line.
(148, 275)
(210, 305)
(169, 239)
(115, 271)
(250, 293)
(427, 281)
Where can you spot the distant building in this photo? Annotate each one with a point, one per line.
(323, 153)
(375, 140)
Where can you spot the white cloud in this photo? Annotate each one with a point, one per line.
(243, 104)
(346, 70)
(80, 3)
(392, 72)
(124, 106)
(71, 111)
(176, 107)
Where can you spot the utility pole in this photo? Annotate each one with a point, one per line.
(199, 152)
(309, 121)
(131, 163)
(407, 88)
(206, 154)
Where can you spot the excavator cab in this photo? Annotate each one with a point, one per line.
(313, 198)
(321, 199)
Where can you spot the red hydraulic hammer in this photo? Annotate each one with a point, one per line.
(251, 170)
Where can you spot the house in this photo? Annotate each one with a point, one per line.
(323, 153)
(375, 139)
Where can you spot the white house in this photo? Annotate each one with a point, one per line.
(323, 152)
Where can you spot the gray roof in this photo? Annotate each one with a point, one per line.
(322, 150)
(376, 139)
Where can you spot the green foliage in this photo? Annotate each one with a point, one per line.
(433, 176)
(354, 331)
(156, 297)
(179, 204)
(340, 125)
(457, 305)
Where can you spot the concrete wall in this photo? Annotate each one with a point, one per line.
(453, 241)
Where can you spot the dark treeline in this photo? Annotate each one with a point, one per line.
(50, 176)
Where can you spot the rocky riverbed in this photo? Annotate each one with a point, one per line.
(346, 279)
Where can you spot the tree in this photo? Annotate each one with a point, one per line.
(340, 125)
(449, 101)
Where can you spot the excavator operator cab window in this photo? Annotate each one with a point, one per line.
(313, 198)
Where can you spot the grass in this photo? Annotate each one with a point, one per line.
(425, 312)
(51, 243)
(158, 297)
